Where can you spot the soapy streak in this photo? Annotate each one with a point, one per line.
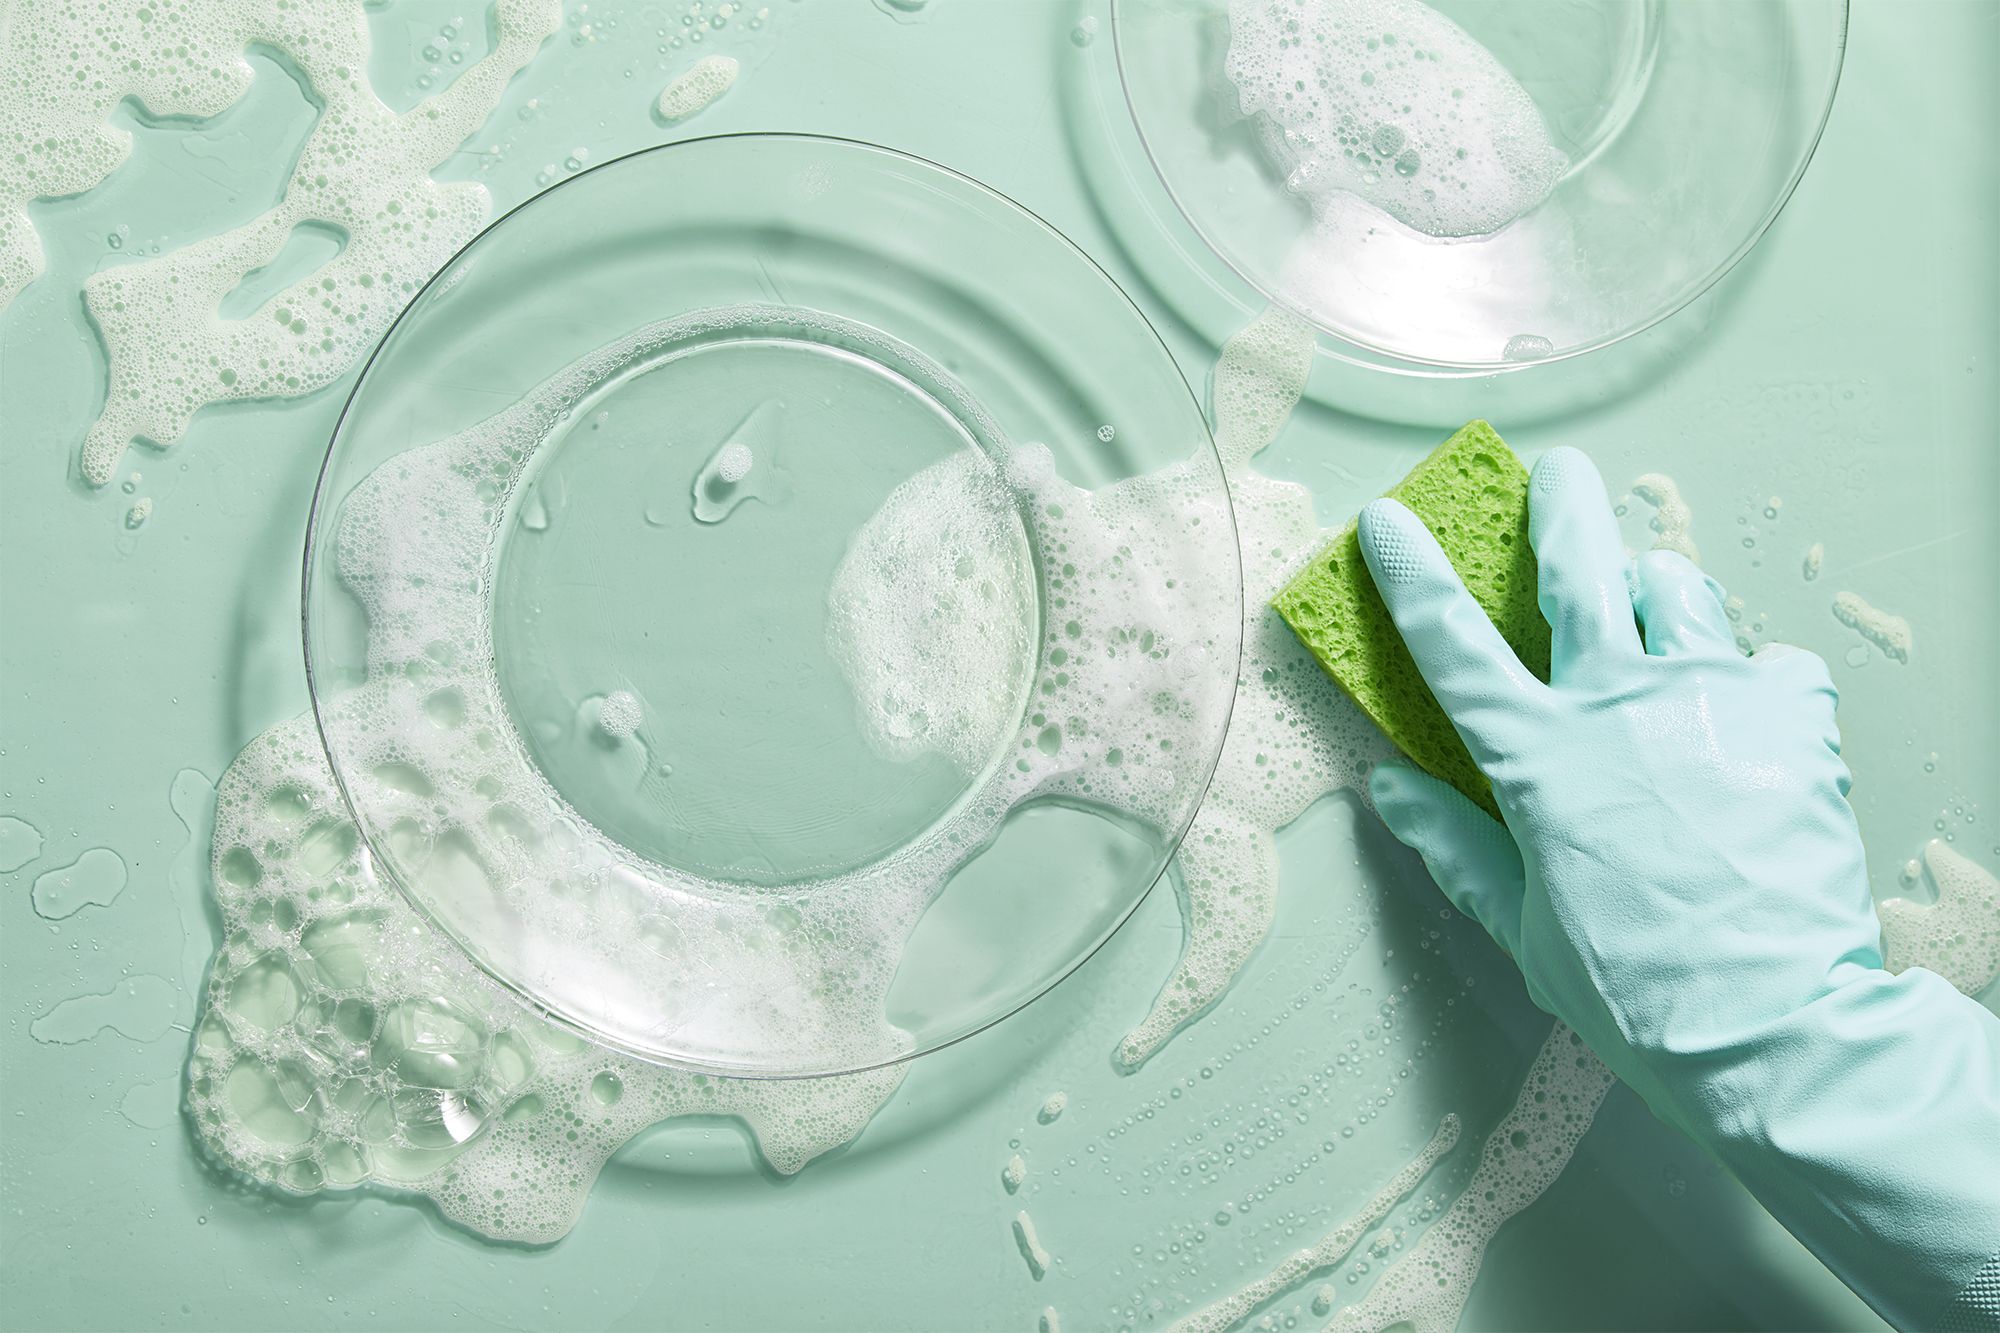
(1330, 1249)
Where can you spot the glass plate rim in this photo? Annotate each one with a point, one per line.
(378, 867)
(1394, 361)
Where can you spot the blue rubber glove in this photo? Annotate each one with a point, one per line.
(1681, 880)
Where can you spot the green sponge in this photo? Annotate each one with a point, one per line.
(1472, 493)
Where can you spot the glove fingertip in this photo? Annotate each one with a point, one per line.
(1557, 467)
(1394, 799)
(1380, 520)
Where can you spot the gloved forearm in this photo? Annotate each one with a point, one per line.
(1681, 880)
(1865, 1122)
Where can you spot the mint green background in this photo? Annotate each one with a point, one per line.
(1848, 367)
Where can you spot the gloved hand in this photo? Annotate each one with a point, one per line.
(1682, 881)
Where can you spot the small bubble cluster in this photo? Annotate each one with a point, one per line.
(1527, 347)
(1889, 633)
(1958, 935)
(1391, 101)
(620, 715)
(1672, 518)
(743, 468)
(697, 87)
(733, 463)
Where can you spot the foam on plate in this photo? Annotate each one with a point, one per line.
(931, 607)
(1391, 101)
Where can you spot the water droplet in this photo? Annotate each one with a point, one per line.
(94, 879)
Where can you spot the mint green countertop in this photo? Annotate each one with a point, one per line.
(1843, 377)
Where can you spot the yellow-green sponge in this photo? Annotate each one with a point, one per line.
(1472, 493)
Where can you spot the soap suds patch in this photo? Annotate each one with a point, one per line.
(696, 89)
(1890, 633)
(363, 174)
(1391, 101)
(1958, 935)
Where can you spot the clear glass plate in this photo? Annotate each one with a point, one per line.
(1680, 130)
(774, 602)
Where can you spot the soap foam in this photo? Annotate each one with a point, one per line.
(1958, 935)
(732, 464)
(1672, 518)
(1292, 739)
(1390, 101)
(345, 1042)
(1890, 633)
(363, 172)
(931, 610)
(698, 86)
(1032, 1250)
(619, 715)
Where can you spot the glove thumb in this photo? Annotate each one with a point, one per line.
(1468, 852)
